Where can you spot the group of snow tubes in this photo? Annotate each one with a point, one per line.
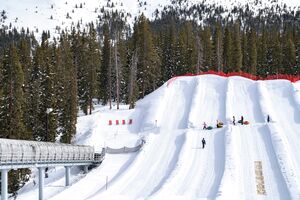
(221, 124)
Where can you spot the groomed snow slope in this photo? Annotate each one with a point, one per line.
(173, 165)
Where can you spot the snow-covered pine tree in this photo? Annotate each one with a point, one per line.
(237, 60)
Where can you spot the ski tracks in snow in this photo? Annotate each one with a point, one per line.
(247, 144)
(199, 171)
(282, 130)
(173, 164)
(161, 153)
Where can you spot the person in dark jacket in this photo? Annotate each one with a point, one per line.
(242, 120)
(268, 118)
(204, 126)
(203, 143)
(233, 120)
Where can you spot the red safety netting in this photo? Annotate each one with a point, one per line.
(291, 78)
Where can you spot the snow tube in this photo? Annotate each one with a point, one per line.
(219, 125)
(246, 122)
(209, 128)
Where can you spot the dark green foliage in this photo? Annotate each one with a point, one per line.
(237, 49)
(26, 63)
(105, 66)
(69, 101)
(252, 53)
(207, 48)
(12, 122)
(36, 114)
(262, 59)
(12, 108)
(289, 54)
(218, 48)
(148, 71)
(228, 50)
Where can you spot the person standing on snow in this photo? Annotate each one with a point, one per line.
(203, 143)
(204, 126)
(242, 120)
(233, 120)
(268, 118)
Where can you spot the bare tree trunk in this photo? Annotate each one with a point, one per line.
(219, 54)
(91, 104)
(199, 54)
(133, 68)
(117, 74)
(109, 81)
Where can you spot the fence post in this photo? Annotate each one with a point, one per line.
(4, 184)
(41, 183)
(67, 175)
(85, 169)
(106, 182)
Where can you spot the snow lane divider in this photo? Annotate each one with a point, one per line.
(259, 177)
(120, 122)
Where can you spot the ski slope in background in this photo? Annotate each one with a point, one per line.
(172, 163)
(57, 15)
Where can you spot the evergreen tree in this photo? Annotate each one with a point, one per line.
(168, 57)
(2, 118)
(105, 66)
(199, 49)
(36, 113)
(26, 63)
(69, 96)
(187, 49)
(93, 65)
(297, 45)
(262, 62)
(79, 47)
(133, 87)
(228, 50)
(52, 85)
(11, 108)
(13, 97)
(59, 86)
(274, 65)
(218, 48)
(290, 57)
(237, 49)
(181, 55)
(148, 73)
(246, 48)
(48, 98)
(207, 48)
(124, 60)
(86, 56)
(252, 52)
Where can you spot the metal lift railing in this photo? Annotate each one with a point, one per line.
(15, 154)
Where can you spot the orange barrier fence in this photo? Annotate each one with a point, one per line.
(291, 78)
(118, 122)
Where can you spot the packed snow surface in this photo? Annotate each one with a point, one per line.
(260, 160)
